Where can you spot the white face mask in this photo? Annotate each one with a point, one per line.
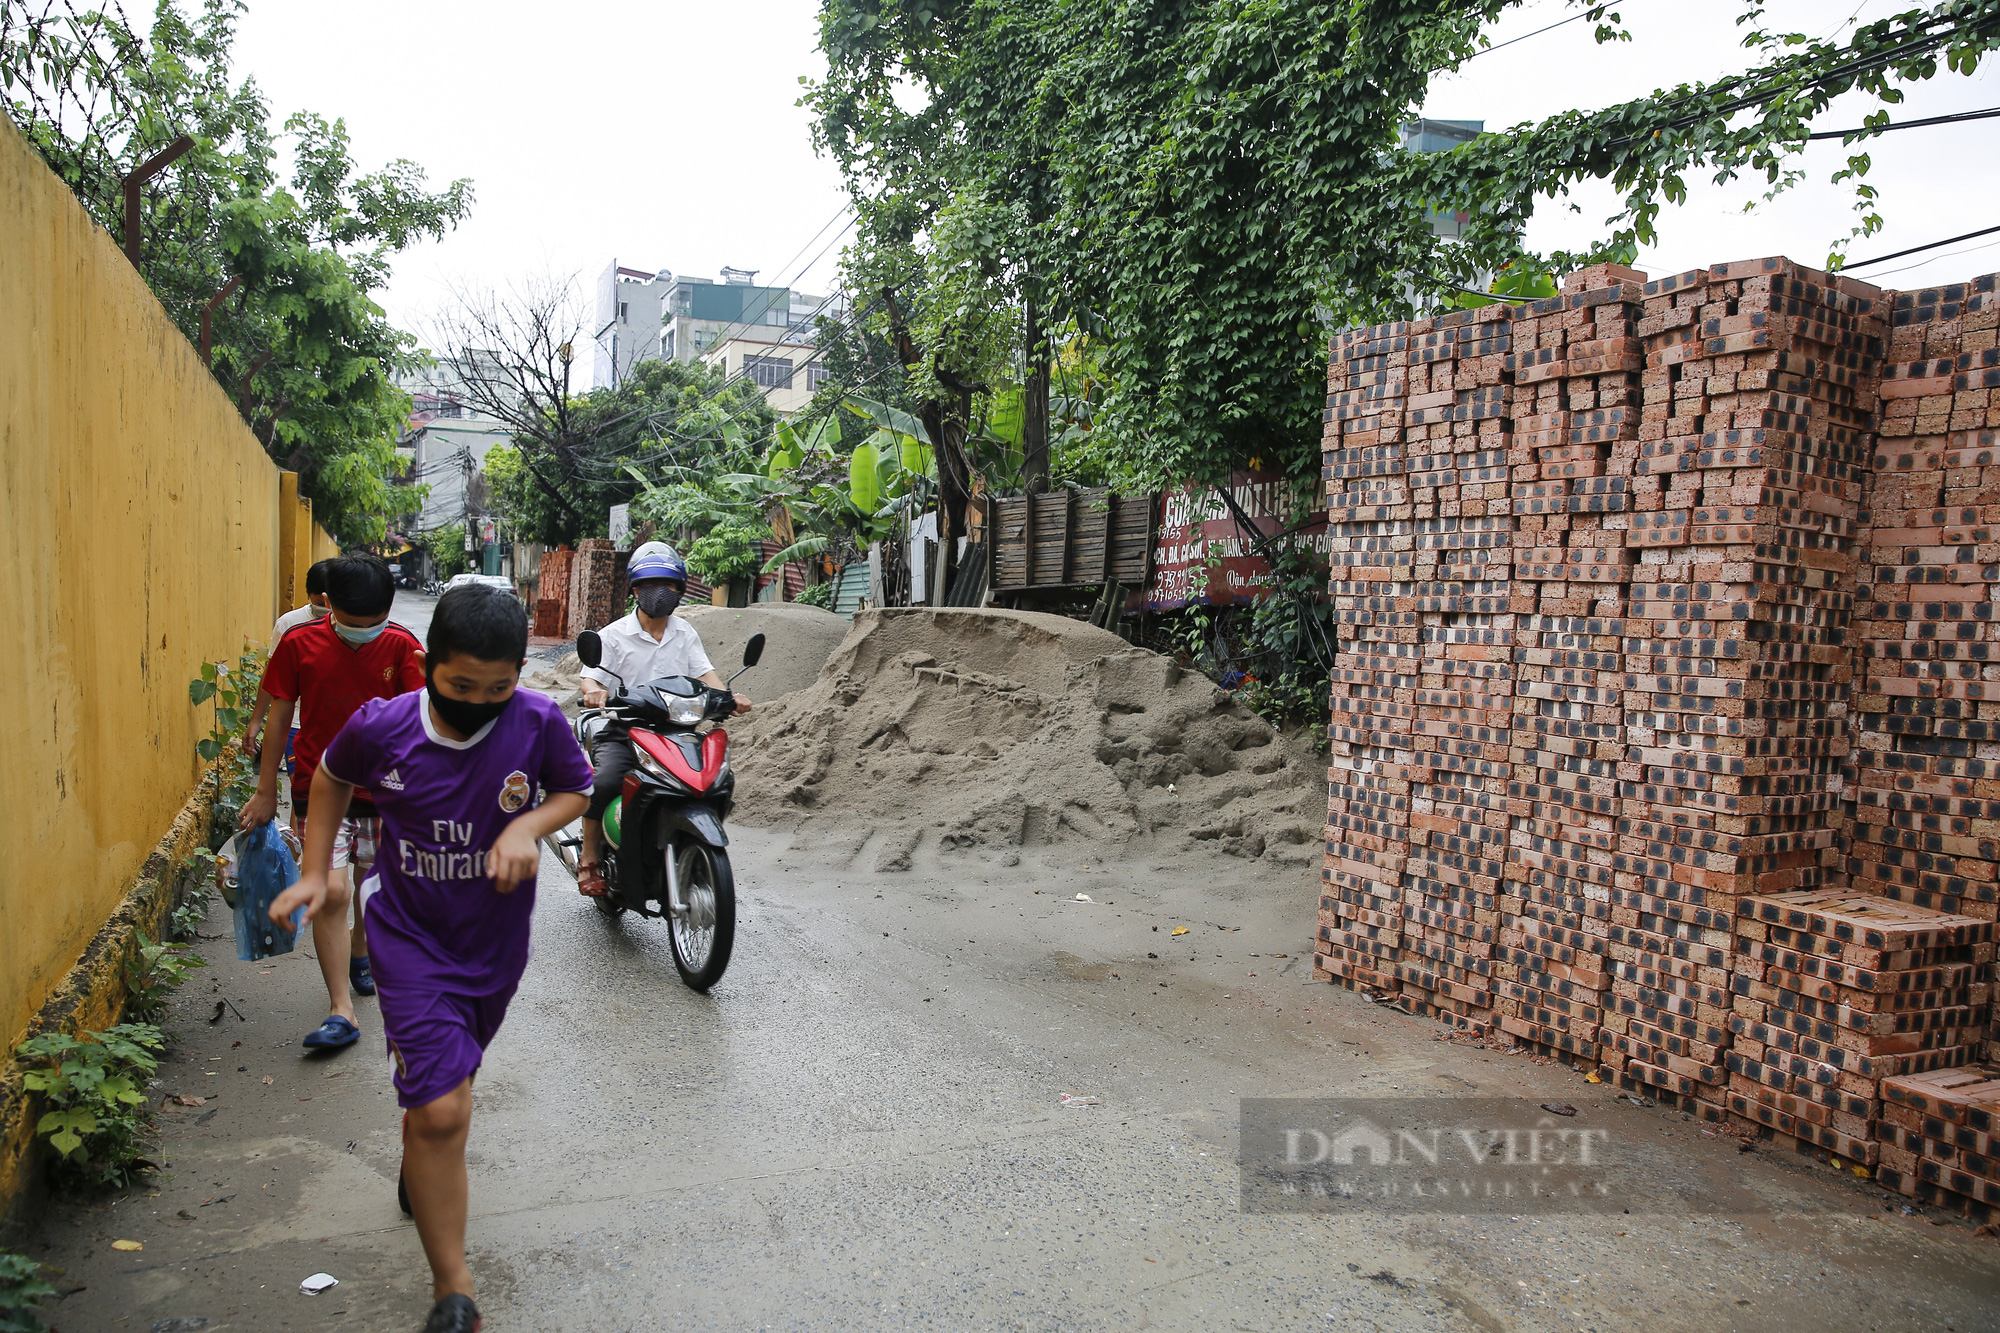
(358, 634)
(318, 612)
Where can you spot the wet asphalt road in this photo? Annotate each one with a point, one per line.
(862, 1127)
(413, 611)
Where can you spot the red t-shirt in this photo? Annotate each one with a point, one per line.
(330, 679)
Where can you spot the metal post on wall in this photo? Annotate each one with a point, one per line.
(142, 173)
(207, 352)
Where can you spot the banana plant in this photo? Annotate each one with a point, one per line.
(865, 495)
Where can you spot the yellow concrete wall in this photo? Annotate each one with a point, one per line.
(302, 535)
(291, 575)
(140, 537)
(324, 547)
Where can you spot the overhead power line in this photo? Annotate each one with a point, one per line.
(1486, 51)
(1851, 69)
(742, 325)
(1952, 119)
(1918, 249)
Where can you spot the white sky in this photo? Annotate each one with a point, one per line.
(665, 134)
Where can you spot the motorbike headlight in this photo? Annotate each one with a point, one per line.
(687, 712)
(650, 764)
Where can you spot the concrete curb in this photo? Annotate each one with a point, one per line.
(92, 998)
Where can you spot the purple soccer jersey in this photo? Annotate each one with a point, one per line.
(436, 923)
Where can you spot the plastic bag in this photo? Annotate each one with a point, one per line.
(225, 870)
(265, 868)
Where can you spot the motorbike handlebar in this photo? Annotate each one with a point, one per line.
(721, 704)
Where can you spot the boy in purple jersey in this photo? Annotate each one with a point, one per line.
(468, 776)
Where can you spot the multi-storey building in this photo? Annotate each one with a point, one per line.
(647, 314)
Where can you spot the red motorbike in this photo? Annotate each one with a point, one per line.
(664, 852)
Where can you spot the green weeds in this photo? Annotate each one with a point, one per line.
(94, 1085)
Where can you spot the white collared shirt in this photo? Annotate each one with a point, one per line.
(636, 657)
(303, 615)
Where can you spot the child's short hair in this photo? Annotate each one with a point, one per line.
(360, 585)
(316, 578)
(478, 620)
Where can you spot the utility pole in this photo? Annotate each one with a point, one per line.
(1035, 400)
(465, 502)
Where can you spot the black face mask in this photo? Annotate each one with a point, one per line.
(462, 715)
(658, 599)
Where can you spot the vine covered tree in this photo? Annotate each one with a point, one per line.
(1205, 185)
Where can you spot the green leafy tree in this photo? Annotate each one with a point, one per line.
(274, 277)
(832, 486)
(718, 532)
(447, 550)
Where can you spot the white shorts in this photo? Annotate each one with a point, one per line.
(354, 844)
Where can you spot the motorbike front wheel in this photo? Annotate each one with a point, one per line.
(703, 936)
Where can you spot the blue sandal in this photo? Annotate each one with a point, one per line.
(360, 976)
(332, 1034)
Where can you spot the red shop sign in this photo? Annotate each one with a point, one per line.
(1201, 554)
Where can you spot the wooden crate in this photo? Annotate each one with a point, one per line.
(1073, 538)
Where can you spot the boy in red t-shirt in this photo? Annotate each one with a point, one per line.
(327, 669)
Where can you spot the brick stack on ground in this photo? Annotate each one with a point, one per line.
(1595, 561)
(1374, 740)
(1577, 399)
(552, 594)
(1838, 990)
(1940, 1135)
(596, 585)
(1456, 594)
(1927, 711)
(1760, 381)
(581, 589)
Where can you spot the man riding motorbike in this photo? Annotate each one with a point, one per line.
(650, 643)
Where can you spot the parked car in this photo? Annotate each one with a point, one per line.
(490, 580)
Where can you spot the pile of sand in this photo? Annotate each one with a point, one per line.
(997, 729)
(797, 642)
(560, 682)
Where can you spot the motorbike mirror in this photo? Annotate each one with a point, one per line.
(589, 648)
(752, 651)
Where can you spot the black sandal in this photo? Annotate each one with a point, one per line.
(453, 1314)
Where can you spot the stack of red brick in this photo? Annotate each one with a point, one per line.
(1577, 408)
(1595, 559)
(1375, 672)
(597, 591)
(581, 589)
(1940, 1135)
(552, 594)
(1927, 791)
(1836, 991)
(1454, 596)
(1747, 499)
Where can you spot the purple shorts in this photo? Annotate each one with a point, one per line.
(437, 1038)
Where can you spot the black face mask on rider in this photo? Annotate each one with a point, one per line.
(657, 599)
(463, 715)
